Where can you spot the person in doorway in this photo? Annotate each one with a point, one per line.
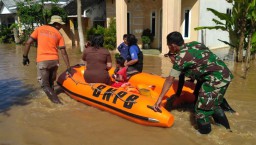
(195, 59)
(134, 61)
(98, 61)
(49, 41)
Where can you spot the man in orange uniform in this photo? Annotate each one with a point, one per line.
(49, 41)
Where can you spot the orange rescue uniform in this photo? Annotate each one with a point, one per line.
(48, 41)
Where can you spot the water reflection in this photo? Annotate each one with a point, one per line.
(13, 92)
(28, 117)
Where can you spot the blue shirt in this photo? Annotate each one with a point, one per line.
(134, 51)
(124, 50)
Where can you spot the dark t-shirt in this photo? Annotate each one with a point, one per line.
(96, 68)
(124, 50)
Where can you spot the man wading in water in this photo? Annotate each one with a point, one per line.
(197, 61)
(49, 41)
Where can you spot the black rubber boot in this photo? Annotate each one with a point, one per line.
(169, 103)
(58, 89)
(52, 95)
(220, 118)
(204, 127)
(226, 107)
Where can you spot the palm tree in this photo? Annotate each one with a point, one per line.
(240, 26)
(236, 25)
(251, 24)
(228, 25)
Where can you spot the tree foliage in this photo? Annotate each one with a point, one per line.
(108, 33)
(33, 14)
(240, 25)
(5, 34)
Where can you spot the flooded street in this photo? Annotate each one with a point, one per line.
(27, 117)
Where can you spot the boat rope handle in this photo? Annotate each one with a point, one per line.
(93, 88)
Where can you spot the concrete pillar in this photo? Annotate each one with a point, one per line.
(171, 20)
(121, 20)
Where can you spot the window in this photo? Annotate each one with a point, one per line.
(229, 11)
(128, 23)
(10, 21)
(153, 23)
(75, 24)
(186, 23)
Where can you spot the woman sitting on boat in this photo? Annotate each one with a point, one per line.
(134, 61)
(98, 62)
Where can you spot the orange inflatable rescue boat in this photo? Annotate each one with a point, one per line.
(132, 105)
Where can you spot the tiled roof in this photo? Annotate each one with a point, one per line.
(11, 4)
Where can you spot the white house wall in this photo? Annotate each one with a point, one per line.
(4, 10)
(96, 13)
(193, 7)
(210, 37)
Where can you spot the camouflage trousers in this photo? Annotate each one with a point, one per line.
(210, 97)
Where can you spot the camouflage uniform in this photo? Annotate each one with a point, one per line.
(198, 62)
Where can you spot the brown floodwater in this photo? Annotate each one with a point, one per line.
(27, 117)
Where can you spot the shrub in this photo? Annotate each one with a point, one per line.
(145, 40)
(6, 35)
(109, 34)
(147, 32)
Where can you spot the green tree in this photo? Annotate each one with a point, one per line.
(5, 34)
(236, 24)
(109, 34)
(250, 33)
(32, 14)
(228, 26)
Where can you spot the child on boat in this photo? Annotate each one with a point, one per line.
(120, 76)
(121, 80)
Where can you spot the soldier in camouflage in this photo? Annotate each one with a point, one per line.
(198, 62)
(224, 105)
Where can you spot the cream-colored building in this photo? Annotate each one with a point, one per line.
(163, 17)
(134, 16)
